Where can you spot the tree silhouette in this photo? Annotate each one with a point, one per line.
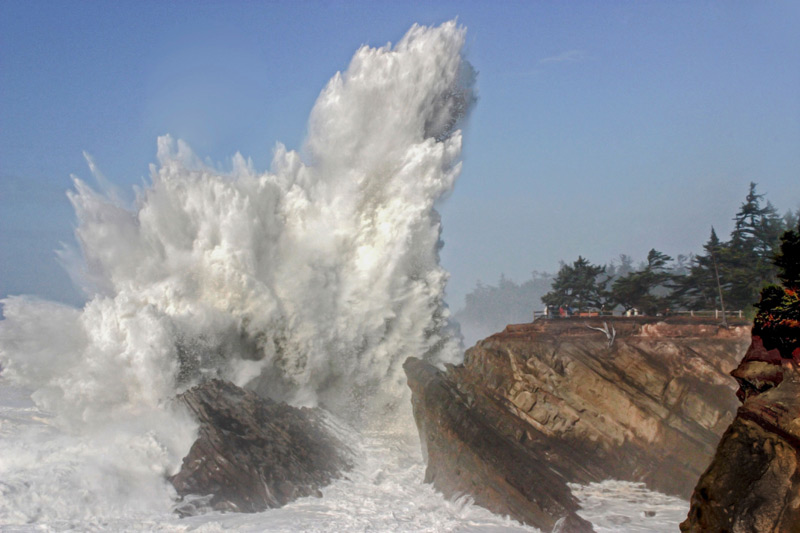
(577, 286)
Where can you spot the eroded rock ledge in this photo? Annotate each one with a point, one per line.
(252, 453)
(543, 404)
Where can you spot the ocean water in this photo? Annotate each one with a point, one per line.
(310, 282)
(384, 492)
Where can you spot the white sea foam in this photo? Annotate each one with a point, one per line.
(613, 506)
(311, 283)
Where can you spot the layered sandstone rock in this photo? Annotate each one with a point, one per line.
(649, 406)
(252, 453)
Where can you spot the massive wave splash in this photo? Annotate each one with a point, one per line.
(309, 283)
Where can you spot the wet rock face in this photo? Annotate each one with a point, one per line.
(753, 483)
(252, 453)
(650, 407)
(467, 454)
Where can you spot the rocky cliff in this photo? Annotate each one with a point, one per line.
(574, 400)
(753, 483)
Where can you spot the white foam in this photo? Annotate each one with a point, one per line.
(614, 506)
(311, 282)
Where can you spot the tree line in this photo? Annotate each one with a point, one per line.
(726, 275)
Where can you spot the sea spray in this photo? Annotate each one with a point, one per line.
(309, 283)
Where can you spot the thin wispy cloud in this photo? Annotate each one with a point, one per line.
(569, 56)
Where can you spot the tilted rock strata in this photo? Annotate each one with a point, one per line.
(466, 454)
(252, 453)
(753, 483)
(650, 407)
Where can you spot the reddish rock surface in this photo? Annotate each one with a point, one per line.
(753, 483)
(252, 453)
(650, 407)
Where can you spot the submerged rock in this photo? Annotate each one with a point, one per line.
(252, 453)
(543, 404)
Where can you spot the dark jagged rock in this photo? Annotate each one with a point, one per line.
(252, 453)
(561, 405)
(753, 483)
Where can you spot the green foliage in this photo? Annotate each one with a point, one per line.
(640, 289)
(755, 255)
(649, 289)
(742, 265)
(747, 258)
(778, 318)
(788, 259)
(698, 289)
(578, 286)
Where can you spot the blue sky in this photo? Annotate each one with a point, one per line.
(601, 128)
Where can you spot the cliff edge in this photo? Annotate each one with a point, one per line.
(574, 400)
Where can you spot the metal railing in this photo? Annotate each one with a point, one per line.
(716, 313)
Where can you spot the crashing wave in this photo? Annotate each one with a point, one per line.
(308, 283)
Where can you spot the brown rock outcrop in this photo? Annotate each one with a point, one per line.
(467, 454)
(650, 407)
(753, 483)
(252, 453)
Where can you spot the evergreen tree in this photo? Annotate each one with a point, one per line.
(648, 289)
(699, 289)
(758, 226)
(788, 258)
(578, 286)
(747, 258)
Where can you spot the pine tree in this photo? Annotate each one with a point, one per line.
(648, 289)
(699, 289)
(759, 226)
(747, 258)
(578, 286)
